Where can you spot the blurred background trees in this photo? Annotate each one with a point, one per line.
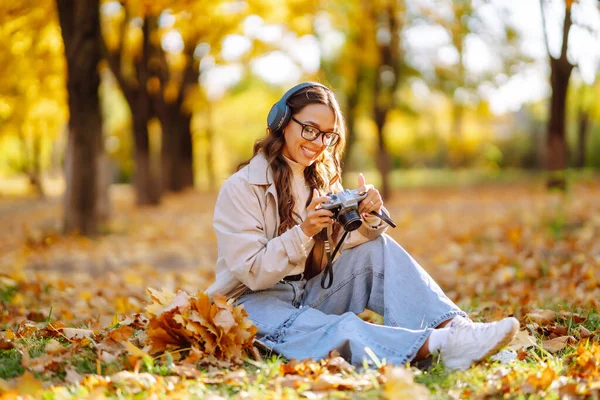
(171, 94)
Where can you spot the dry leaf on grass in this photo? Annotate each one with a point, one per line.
(186, 371)
(336, 382)
(578, 319)
(522, 340)
(331, 373)
(539, 381)
(542, 317)
(6, 344)
(400, 384)
(121, 334)
(583, 332)
(557, 344)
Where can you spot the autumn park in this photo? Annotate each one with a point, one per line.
(477, 121)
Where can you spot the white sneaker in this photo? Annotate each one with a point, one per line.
(459, 320)
(469, 343)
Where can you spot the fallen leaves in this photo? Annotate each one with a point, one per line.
(586, 362)
(558, 343)
(216, 329)
(331, 373)
(203, 331)
(540, 380)
(522, 340)
(25, 385)
(500, 251)
(542, 317)
(400, 384)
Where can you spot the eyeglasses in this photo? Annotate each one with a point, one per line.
(311, 133)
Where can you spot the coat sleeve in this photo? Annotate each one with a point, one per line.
(252, 258)
(369, 230)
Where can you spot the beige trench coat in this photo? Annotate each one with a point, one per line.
(246, 220)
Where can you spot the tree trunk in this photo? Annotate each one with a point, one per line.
(386, 81)
(210, 135)
(351, 103)
(146, 183)
(583, 122)
(556, 135)
(105, 179)
(177, 170)
(383, 160)
(35, 175)
(80, 25)
(560, 73)
(169, 146)
(144, 180)
(456, 153)
(185, 160)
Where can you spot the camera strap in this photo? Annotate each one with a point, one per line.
(383, 216)
(328, 272)
(327, 277)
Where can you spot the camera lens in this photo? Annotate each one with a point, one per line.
(349, 219)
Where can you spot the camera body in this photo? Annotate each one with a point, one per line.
(344, 206)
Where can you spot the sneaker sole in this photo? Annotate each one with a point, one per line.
(506, 340)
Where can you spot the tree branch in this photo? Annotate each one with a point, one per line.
(544, 29)
(141, 65)
(190, 76)
(566, 29)
(115, 59)
(114, 63)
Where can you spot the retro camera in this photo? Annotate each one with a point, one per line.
(344, 206)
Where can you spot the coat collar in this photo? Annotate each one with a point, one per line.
(259, 171)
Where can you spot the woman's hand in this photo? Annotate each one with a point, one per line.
(317, 218)
(373, 201)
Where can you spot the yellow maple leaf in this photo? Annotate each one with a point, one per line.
(542, 379)
(400, 384)
(27, 384)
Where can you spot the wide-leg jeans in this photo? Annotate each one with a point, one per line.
(301, 320)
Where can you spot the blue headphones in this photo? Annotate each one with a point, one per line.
(281, 113)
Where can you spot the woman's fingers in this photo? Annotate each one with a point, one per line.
(317, 218)
(322, 213)
(365, 188)
(372, 202)
(317, 200)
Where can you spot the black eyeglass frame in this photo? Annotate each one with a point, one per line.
(336, 137)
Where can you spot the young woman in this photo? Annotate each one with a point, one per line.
(274, 237)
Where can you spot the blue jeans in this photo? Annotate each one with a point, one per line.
(301, 320)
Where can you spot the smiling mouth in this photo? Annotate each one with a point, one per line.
(309, 153)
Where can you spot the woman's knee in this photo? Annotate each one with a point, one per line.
(374, 245)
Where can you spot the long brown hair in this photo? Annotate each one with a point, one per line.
(321, 174)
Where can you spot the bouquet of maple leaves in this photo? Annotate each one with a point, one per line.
(210, 330)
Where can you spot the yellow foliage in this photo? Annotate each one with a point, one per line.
(33, 106)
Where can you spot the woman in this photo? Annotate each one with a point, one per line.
(272, 232)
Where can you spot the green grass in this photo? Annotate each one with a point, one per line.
(10, 364)
(7, 293)
(10, 360)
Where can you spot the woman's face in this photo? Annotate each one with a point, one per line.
(297, 148)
